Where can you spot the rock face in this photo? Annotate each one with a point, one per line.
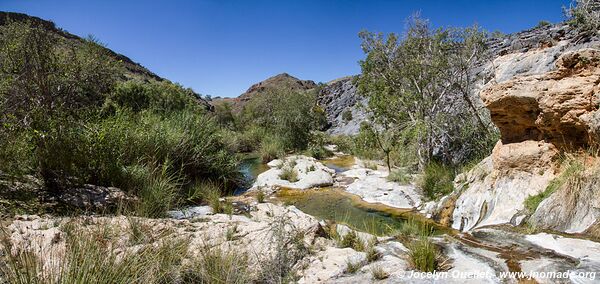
(344, 106)
(558, 106)
(575, 206)
(494, 191)
(538, 116)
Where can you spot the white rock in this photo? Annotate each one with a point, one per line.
(311, 173)
(190, 212)
(493, 198)
(330, 263)
(373, 186)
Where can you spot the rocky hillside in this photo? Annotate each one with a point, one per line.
(133, 70)
(344, 107)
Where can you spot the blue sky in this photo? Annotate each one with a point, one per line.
(222, 47)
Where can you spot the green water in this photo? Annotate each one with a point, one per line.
(336, 205)
(250, 168)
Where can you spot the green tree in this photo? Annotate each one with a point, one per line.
(288, 115)
(421, 85)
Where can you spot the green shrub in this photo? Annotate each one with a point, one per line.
(271, 148)
(288, 173)
(158, 194)
(436, 180)
(90, 257)
(352, 267)
(413, 228)
(401, 176)
(352, 240)
(571, 176)
(260, 196)
(218, 266)
(372, 253)
(378, 272)
(543, 23)
(423, 255)
(347, 115)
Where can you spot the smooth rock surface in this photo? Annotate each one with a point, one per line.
(373, 186)
(310, 172)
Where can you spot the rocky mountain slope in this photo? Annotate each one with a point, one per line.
(133, 70)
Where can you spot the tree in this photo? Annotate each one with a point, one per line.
(422, 85)
(289, 115)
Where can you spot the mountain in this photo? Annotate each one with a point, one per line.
(133, 70)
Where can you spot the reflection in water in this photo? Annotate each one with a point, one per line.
(341, 207)
(250, 168)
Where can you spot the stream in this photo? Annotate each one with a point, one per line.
(498, 248)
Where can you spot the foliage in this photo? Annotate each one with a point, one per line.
(347, 115)
(288, 115)
(419, 85)
(436, 180)
(413, 228)
(215, 265)
(571, 176)
(66, 119)
(352, 267)
(423, 255)
(585, 15)
(288, 248)
(352, 240)
(288, 173)
(271, 148)
(401, 176)
(543, 23)
(378, 272)
(91, 258)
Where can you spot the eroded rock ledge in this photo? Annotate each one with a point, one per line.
(557, 106)
(539, 116)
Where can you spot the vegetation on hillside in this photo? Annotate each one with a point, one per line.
(69, 119)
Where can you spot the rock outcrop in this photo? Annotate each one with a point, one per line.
(557, 106)
(538, 116)
(307, 173)
(344, 107)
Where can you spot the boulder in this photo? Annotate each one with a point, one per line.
(91, 196)
(372, 186)
(310, 174)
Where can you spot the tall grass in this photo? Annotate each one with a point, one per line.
(423, 255)
(90, 258)
(572, 175)
(436, 180)
(218, 266)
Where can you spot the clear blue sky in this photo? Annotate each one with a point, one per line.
(221, 47)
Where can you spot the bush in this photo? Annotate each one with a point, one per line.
(413, 228)
(436, 180)
(378, 272)
(288, 173)
(423, 255)
(585, 15)
(88, 260)
(347, 115)
(543, 23)
(352, 240)
(215, 265)
(401, 176)
(158, 193)
(271, 148)
(571, 176)
(288, 115)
